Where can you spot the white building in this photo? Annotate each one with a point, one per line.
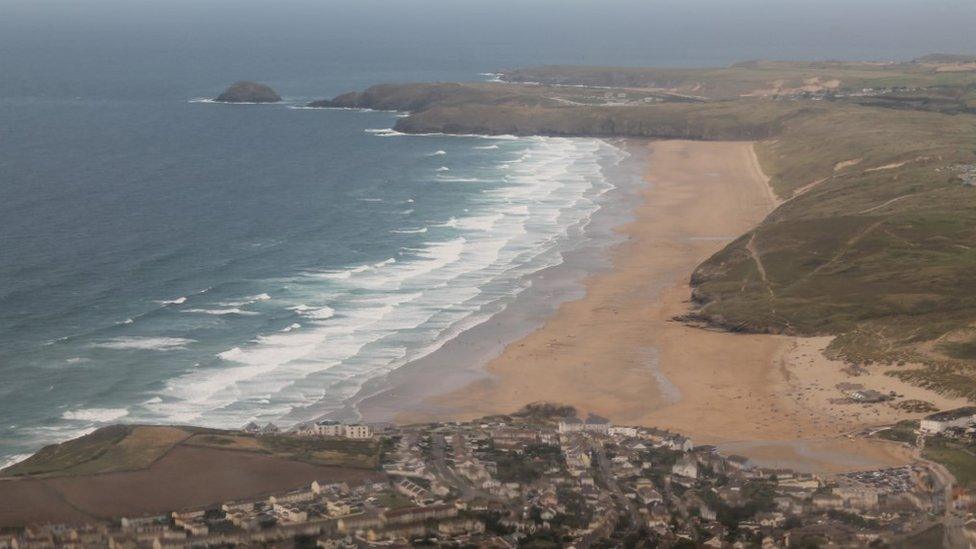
(358, 431)
(336, 429)
(597, 424)
(624, 431)
(940, 421)
(686, 467)
(570, 425)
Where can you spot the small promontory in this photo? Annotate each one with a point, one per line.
(248, 92)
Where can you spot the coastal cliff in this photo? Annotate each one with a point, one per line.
(493, 109)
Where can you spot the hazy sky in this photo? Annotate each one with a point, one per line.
(599, 30)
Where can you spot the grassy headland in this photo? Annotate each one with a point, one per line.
(119, 448)
(874, 242)
(126, 470)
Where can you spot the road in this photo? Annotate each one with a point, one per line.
(624, 502)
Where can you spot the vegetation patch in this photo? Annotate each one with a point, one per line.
(106, 450)
(959, 459)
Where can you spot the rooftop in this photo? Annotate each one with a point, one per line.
(949, 415)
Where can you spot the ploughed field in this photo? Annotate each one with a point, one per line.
(875, 164)
(141, 470)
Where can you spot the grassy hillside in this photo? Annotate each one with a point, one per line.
(360, 454)
(107, 450)
(875, 242)
(118, 448)
(759, 78)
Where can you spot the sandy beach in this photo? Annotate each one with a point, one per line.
(617, 351)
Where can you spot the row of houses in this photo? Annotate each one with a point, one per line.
(315, 429)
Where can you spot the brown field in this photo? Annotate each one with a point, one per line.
(184, 477)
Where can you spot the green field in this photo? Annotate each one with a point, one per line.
(119, 448)
(903, 431)
(361, 454)
(959, 459)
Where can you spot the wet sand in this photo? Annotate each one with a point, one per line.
(617, 352)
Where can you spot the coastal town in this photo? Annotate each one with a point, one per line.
(544, 477)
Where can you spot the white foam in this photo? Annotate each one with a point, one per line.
(221, 312)
(321, 313)
(318, 313)
(420, 230)
(394, 311)
(213, 101)
(438, 153)
(144, 343)
(487, 147)
(96, 415)
(352, 109)
(384, 132)
(248, 300)
(13, 460)
(461, 179)
(77, 360)
(443, 169)
(231, 354)
(178, 301)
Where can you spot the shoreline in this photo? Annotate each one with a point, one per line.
(462, 359)
(616, 351)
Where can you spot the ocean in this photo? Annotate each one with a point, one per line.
(166, 259)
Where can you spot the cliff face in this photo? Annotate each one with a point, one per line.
(248, 92)
(522, 110)
(677, 121)
(410, 97)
